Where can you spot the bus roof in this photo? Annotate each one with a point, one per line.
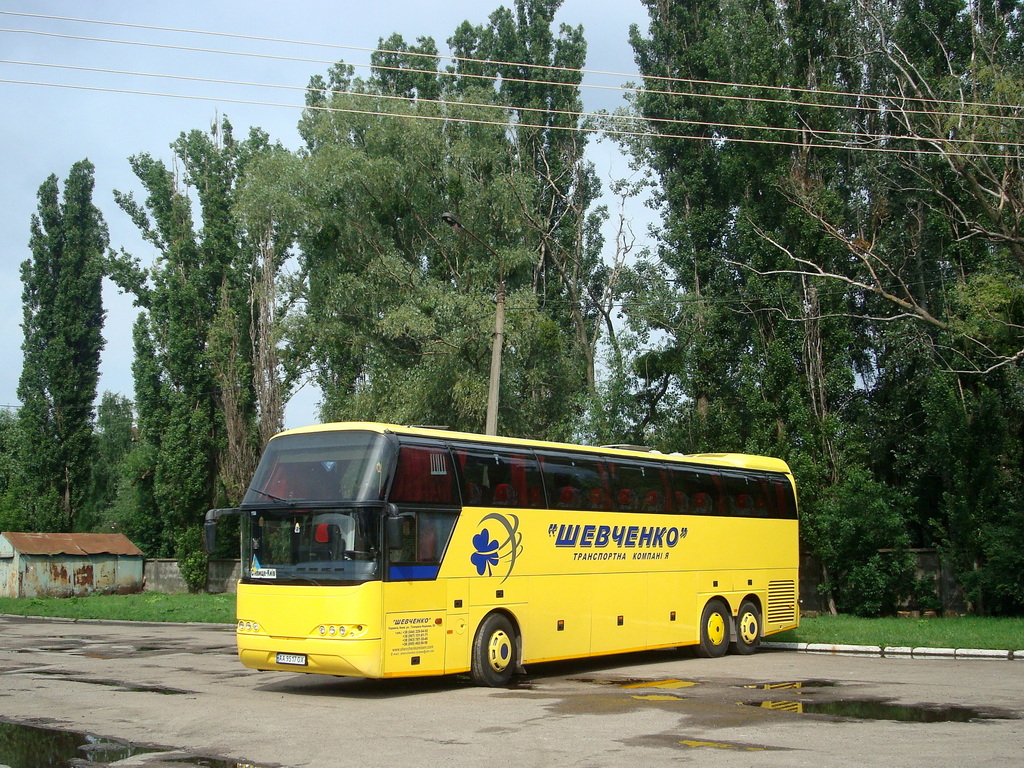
(737, 460)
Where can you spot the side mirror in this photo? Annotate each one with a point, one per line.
(209, 536)
(210, 527)
(395, 525)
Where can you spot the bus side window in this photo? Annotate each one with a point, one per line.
(696, 491)
(737, 498)
(498, 477)
(638, 487)
(433, 533)
(576, 480)
(423, 539)
(423, 475)
(785, 501)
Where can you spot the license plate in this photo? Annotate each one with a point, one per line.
(295, 659)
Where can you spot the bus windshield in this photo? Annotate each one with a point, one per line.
(318, 468)
(321, 546)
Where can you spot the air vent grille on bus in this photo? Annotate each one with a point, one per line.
(781, 602)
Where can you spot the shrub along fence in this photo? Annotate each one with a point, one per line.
(164, 576)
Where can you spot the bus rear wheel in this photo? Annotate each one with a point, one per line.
(748, 628)
(714, 630)
(494, 652)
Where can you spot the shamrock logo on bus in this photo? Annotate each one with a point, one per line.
(504, 545)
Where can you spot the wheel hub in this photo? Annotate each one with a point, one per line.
(499, 651)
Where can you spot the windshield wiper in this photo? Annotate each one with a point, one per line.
(272, 497)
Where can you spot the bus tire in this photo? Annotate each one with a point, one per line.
(714, 630)
(495, 652)
(748, 628)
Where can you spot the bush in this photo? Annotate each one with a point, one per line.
(857, 528)
(192, 560)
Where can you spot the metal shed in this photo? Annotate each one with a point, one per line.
(68, 564)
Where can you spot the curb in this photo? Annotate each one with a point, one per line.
(76, 620)
(897, 652)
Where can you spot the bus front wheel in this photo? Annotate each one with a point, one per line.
(714, 630)
(494, 652)
(748, 628)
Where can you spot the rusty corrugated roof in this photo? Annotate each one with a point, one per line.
(72, 544)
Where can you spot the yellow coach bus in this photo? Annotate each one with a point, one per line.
(373, 550)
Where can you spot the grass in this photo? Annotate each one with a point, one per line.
(963, 632)
(147, 606)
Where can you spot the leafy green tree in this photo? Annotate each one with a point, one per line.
(12, 490)
(115, 436)
(903, 277)
(399, 307)
(537, 73)
(928, 251)
(63, 323)
(858, 529)
(727, 342)
(735, 369)
(268, 209)
(194, 339)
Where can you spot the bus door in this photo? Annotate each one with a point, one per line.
(421, 630)
(418, 626)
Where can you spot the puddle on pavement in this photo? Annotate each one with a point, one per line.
(121, 686)
(637, 682)
(27, 746)
(804, 700)
(867, 709)
(212, 762)
(792, 685)
(881, 710)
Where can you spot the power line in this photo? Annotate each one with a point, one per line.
(883, 100)
(612, 119)
(505, 124)
(548, 67)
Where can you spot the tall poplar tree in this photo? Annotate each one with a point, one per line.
(63, 323)
(195, 338)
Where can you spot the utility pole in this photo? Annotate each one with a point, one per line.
(497, 340)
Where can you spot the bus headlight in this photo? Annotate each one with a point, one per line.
(342, 630)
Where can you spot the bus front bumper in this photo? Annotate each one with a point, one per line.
(346, 658)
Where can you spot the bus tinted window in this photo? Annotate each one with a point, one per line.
(424, 475)
(696, 491)
(784, 497)
(638, 487)
(747, 496)
(498, 477)
(322, 467)
(575, 480)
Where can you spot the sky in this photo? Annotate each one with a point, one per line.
(45, 129)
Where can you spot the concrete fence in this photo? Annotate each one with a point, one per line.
(164, 576)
